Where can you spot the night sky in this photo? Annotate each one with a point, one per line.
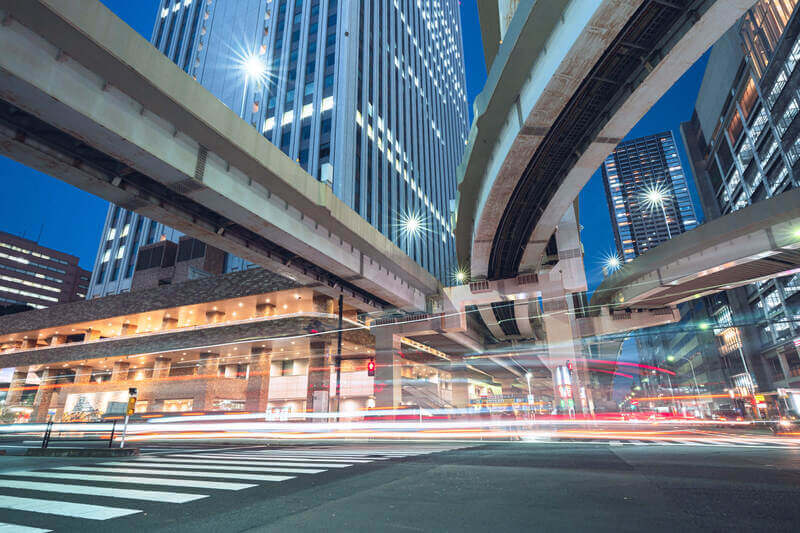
(71, 220)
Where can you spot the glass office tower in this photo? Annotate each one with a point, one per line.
(647, 194)
(744, 144)
(366, 95)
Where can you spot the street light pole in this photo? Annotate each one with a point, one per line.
(666, 220)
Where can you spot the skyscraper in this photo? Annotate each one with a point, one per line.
(368, 96)
(744, 145)
(648, 198)
(34, 276)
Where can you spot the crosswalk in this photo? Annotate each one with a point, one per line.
(750, 442)
(70, 497)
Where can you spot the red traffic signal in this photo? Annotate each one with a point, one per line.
(569, 366)
(371, 367)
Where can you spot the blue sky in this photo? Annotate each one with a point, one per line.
(71, 220)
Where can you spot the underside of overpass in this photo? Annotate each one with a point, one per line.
(758, 242)
(533, 147)
(87, 100)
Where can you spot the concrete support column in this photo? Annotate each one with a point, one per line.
(460, 386)
(41, 403)
(388, 380)
(161, 367)
(119, 372)
(319, 376)
(28, 344)
(128, 329)
(92, 335)
(324, 304)
(57, 340)
(209, 364)
(14, 395)
(83, 374)
(257, 390)
(169, 323)
(784, 365)
(214, 317)
(207, 387)
(557, 321)
(265, 309)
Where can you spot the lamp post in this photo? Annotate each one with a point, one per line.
(671, 359)
(253, 67)
(531, 411)
(655, 197)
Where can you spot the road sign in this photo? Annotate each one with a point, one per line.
(760, 398)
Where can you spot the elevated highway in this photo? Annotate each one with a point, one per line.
(569, 80)
(87, 100)
(757, 242)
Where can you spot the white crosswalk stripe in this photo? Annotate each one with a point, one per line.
(61, 508)
(164, 472)
(15, 528)
(172, 472)
(315, 467)
(131, 494)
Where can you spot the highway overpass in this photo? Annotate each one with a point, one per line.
(87, 100)
(567, 83)
(758, 242)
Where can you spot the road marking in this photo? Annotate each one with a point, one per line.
(219, 485)
(132, 494)
(77, 510)
(14, 528)
(176, 458)
(253, 477)
(266, 457)
(205, 466)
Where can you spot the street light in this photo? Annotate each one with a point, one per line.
(611, 263)
(253, 68)
(654, 197)
(671, 358)
(531, 411)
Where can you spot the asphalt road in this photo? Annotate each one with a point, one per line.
(524, 486)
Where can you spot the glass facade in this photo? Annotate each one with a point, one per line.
(751, 155)
(368, 96)
(635, 170)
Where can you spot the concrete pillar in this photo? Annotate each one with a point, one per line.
(214, 317)
(324, 304)
(57, 340)
(161, 367)
(92, 335)
(318, 393)
(15, 388)
(557, 321)
(169, 323)
(28, 344)
(206, 388)
(209, 364)
(128, 329)
(119, 372)
(388, 381)
(460, 385)
(83, 374)
(265, 309)
(257, 389)
(784, 365)
(41, 403)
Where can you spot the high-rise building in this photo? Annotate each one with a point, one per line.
(647, 194)
(744, 145)
(33, 276)
(367, 95)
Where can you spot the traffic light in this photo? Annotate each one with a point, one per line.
(569, 366)
(371, 367)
